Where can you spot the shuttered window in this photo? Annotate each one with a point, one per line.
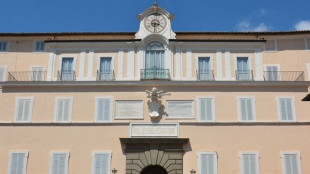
(63, 109)
(180, 109)
(247, 109)
(37, 74)
(103, 109)
(23, 111)
(208, 163)
(3, 72)
(286, 109)
(249, 163)
(39, 46)
(60, 163)
(291, 163)
(129, 109)
(273, 73)
(101, 163)
(206, 109)
(3, 46)
(18, 162)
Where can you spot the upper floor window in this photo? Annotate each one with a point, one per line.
(3, 46)
(24, 107)
(3, 72)
(243, 69)
(39, 46)
(246, 108)
(291, 162)
(207, 162)
(67, 69)
(204, 69)
(63, 111)
(155, 62)
(105, 69)
(272, 73)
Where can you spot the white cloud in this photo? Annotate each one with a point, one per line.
(247, 26)
(262, 11)
(302, 25)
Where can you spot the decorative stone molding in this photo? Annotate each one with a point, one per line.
(144, 152)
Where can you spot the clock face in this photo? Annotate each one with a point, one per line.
(155, 23)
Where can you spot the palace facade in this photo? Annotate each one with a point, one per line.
(155, 101)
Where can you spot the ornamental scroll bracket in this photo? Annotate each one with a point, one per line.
(154, 103)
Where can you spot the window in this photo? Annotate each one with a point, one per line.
(207, 109)
(129, 109)
(291, 163)
(155, 62)
(103, 109)
(243, 69)
(37, 74)
(3, 72)
(24, 107)
(204, 69)
(105, 71)
(207, 163)
(250, 163)
(67, 69)
(39, 46)
(18, 162)
(247, 108)
(101, 163)
(180, 109)
(63, 109)
(59, 163)
(272, 73)
(286, 109)
(3, 46)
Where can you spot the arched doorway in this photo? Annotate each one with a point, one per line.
(154, 169)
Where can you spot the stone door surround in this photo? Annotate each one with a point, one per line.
(144, 152)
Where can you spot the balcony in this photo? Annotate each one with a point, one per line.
(26, 76)
(244, 75)
(105, 75)
(154, 74)
(66, 75)
(284, 76)
(205, 75)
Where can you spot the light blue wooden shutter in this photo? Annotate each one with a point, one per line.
(286, 109)
(101, 164)
(59, 163)
(273, 73)
(291, 164)
(23, 110)
(250, 164)
(246, 108)
(104, 109)
(205, 72)
(208, 163)
(18, 163)
(64, 107)
(206, 109)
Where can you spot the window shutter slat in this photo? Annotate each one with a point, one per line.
(208, 163)
(59, 163)
(291, 164)
(66, 110)
(250, 163)
(206, 109)
(249, 109)
(20, 109)
(243, 109)
(60, 108)
(18, 162)
(101, 164)
(104, 109)
(26, 113)
(2, 73)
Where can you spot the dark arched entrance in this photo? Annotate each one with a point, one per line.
(155, 169)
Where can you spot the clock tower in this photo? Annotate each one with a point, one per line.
(155, 21)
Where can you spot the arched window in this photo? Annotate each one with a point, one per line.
(155, 56)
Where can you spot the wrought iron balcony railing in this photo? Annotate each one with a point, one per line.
(284, 76)
(205, 75)
(25, 76)
(66, 75)
(244, 75)
(154, 74)
(105, 75)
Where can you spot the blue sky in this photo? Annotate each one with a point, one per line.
(121, 15)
